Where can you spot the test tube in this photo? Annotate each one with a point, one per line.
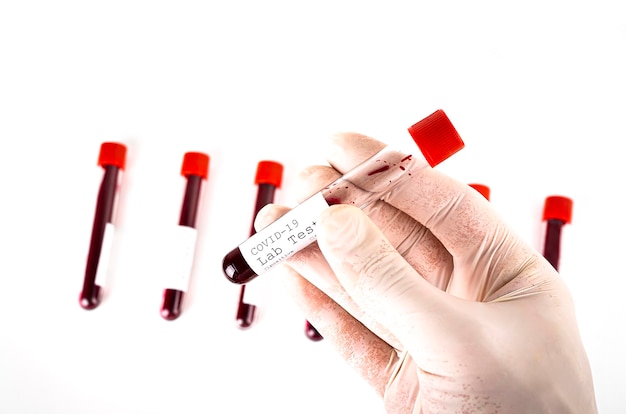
(195, 169)
(370, 181)
(557, 211)
(112, 159)
(268, 178)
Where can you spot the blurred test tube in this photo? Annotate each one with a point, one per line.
(268, 179)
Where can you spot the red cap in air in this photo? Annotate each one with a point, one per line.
(269, 172)
(436, 137)
(558, 208)
(112, 153)
(482, 189)
(195, 163)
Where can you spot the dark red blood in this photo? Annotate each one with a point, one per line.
(90, 293)
(312, 333)
(171, 305)
(379, 170)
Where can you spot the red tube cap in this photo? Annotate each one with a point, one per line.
(482, 189)
(269, 172)
(195, 163)
(558, 208)
(436, 137)
(112, 153)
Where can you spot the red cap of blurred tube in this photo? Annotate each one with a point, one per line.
(195, 163)
(436, 137)
(112, 153)
(558, 208)
(269, 172)
(482, 189)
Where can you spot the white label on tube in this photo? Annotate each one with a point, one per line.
(105, 255)
(284, 237)
(182, 244)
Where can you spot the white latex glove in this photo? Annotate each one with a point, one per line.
(433, 299)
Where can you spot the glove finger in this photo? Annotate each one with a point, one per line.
(452, 210)
(373, 358)
(403, 388)
(344, 151)
(416, 243)
(311, 265)
(392, 374)
(420, 248)
(312, 179)
(384, 284)
(487, 254)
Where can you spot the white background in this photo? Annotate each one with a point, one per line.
(537, 89)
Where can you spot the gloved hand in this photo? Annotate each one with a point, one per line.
(434, 300)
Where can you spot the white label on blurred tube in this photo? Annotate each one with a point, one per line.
(105, 255)
(182, 244)
(284, 237)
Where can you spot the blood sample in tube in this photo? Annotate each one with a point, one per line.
(370, 181)
(195, 169)
(112, 159)
(557, 211)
